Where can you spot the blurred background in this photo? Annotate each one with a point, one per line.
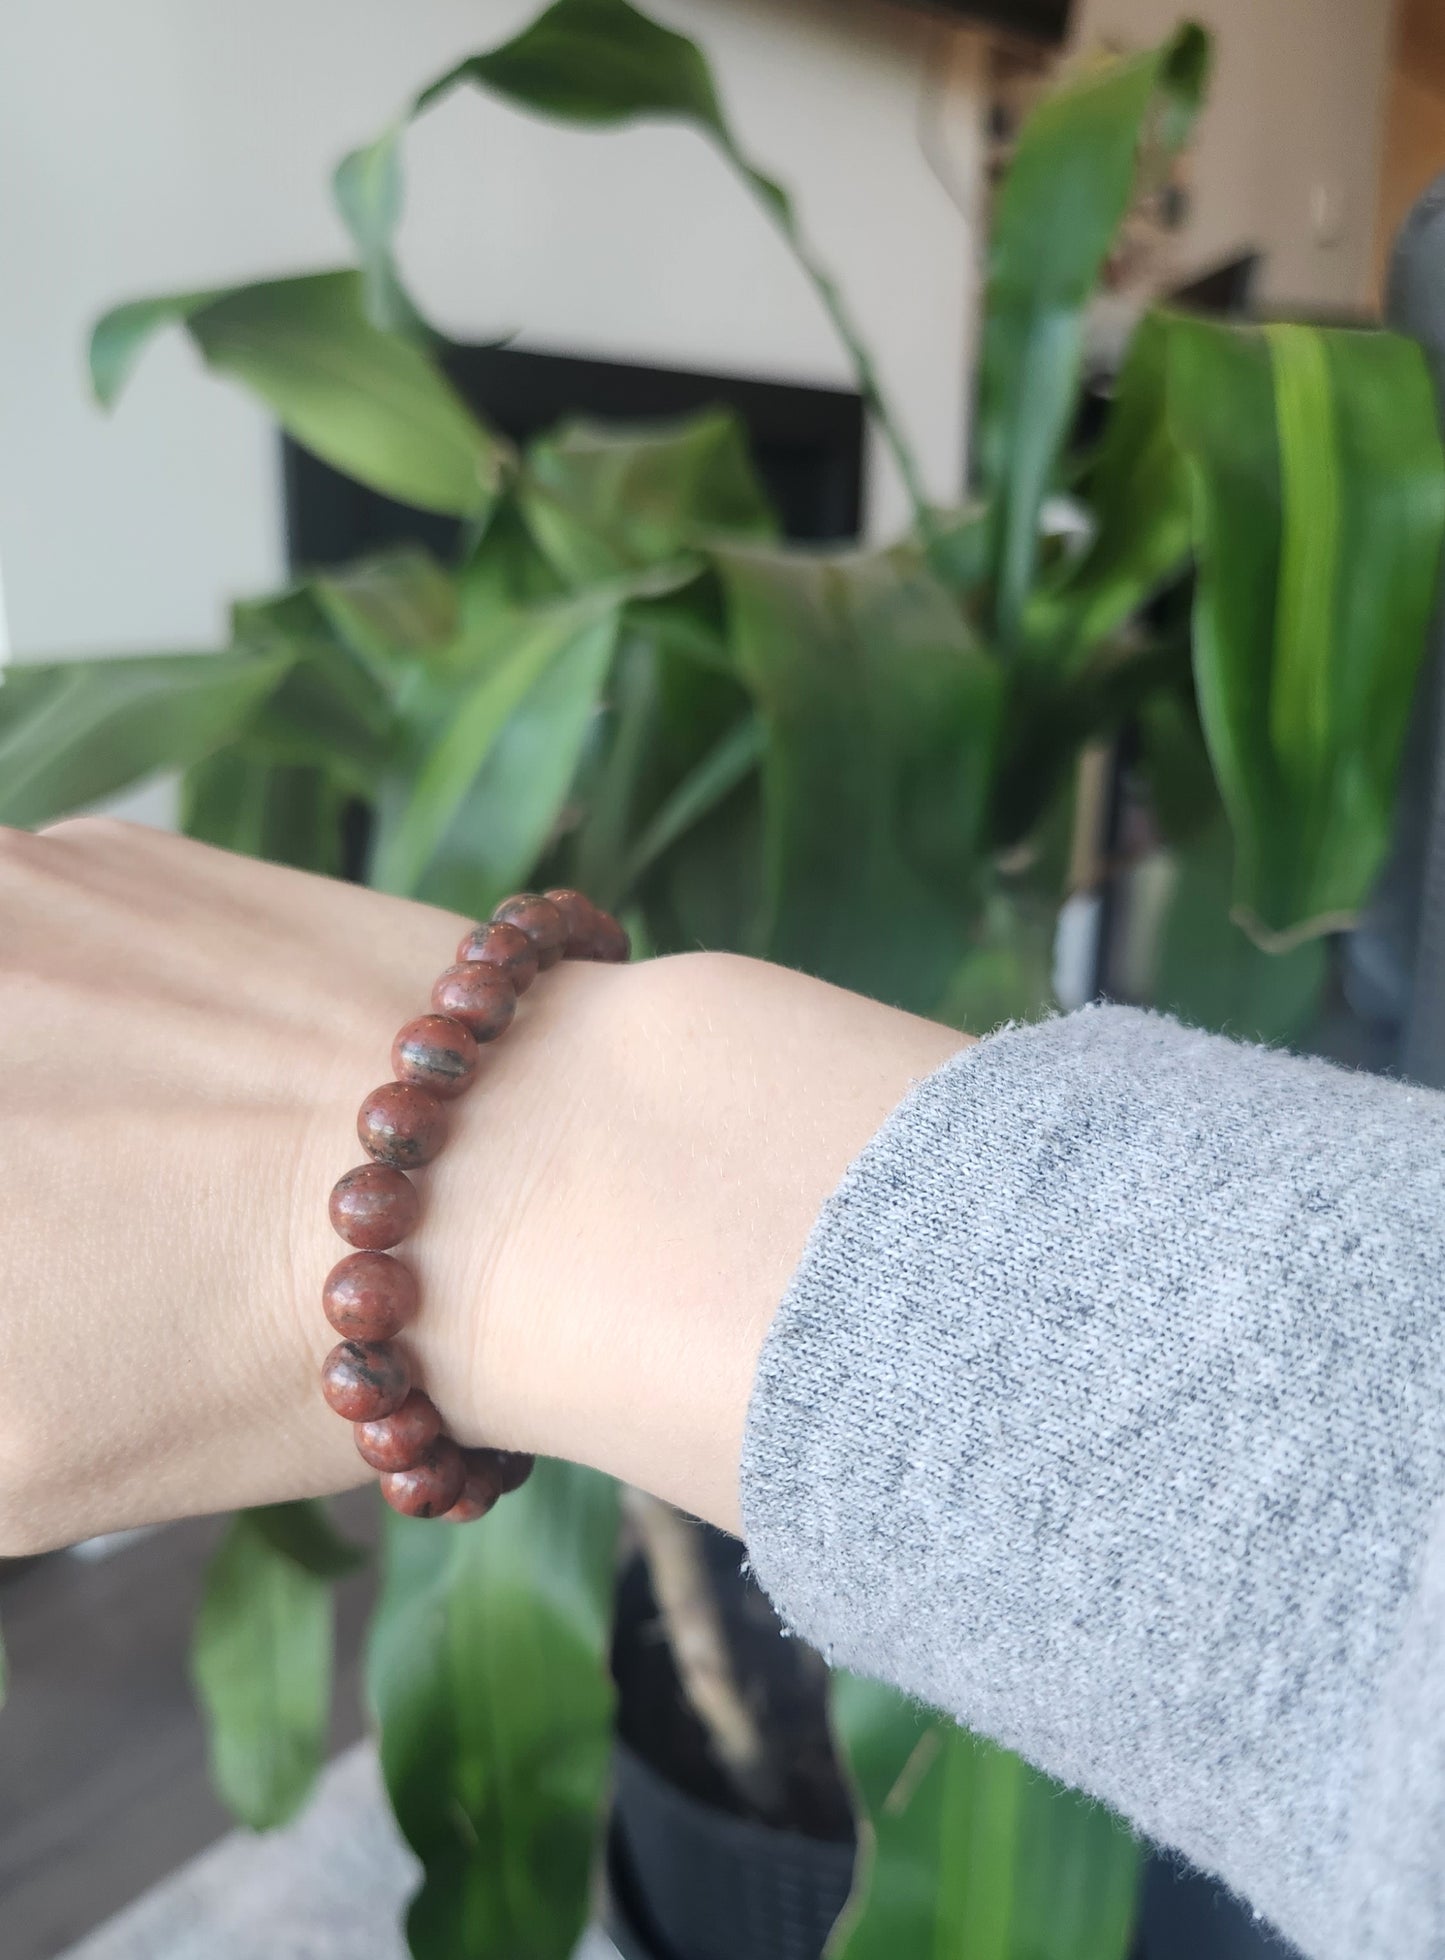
(168, 147)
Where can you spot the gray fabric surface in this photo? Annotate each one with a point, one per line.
(1106, 1410)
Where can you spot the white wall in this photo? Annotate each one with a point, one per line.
(1288, 148)
(150, 145)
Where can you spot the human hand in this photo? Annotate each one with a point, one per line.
(603, 1242)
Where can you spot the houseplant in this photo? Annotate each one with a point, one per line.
(626, 682)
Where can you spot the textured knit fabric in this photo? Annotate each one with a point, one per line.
(1106, 1411)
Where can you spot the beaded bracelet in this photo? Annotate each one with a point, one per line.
(370, 1297)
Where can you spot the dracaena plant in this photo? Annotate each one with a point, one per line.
(626, 680)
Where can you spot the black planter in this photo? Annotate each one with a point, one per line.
(690, 1883)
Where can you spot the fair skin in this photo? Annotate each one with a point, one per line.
(604, 1241)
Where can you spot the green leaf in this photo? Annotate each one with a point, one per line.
(488, 1671)
(714, 779)
(364, 399)
(1138, 495)
(595, 61)
(968, 1854)
(602, 63)
(604, 500)
(303, 1531)
(119, 338)
(489, 787)
(1213, 975)
(1067, 190)
(262, 1665)
(391, 609)
(369, 194)
(1318, 487)
(241, 801)
(72, 732)
(881, 718)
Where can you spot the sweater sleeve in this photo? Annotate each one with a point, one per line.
(1106, 1411)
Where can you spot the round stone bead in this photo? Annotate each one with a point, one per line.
(364, 1380)
(482, 1488)
(431, 1486)
(401, 1125)
(515, 1466)
(398, 1441)
(435, 1053)
(543, 924)
(503, 947)
(369, 1297)
(610, 941)
(581, 917)
(480, 997)
(374, 1207)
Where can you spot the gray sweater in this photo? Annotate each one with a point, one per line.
(1106, 1411)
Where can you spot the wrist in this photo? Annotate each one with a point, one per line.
(628, 1194)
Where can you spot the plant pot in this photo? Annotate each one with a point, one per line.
(688, 1882)
(696, 1870)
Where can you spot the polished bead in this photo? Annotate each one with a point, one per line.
(398, 1441)
(482, 1488)
(543, 924)
(401, 1125)
(435, 1053)
(516, 1466)
(369, 1297)
(504, 947)
(364, 1380)
(610, 941)
(581, 917)
(374, 1207)
(431, 1486)
(482, 999)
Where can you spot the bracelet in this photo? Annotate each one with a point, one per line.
(369, 1297)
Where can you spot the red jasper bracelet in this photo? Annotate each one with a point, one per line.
(370, 1297)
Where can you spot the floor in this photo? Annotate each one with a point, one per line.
(103, 1785)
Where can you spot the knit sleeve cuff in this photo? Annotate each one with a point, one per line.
(1095, 1414)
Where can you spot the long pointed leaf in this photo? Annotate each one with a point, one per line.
(1138, 496)
(72, 732)
(262, 1659)
(1319, 496)
(494, 780)
(967, 1853)
(601, 63)
(488, 1671)
(1065, 195)
(365, 399)
(881, 718)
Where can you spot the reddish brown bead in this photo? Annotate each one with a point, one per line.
(581, 918)
(543, 924)
(430, 1487)
(369, 1297)
(482, 999)
(401, 1125)
(435, 1053)
(374, 1207)
(504, 947)
(402, 1439)
(482, 1488)
(364, 1380)
(515, 1466)
(610, 941)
